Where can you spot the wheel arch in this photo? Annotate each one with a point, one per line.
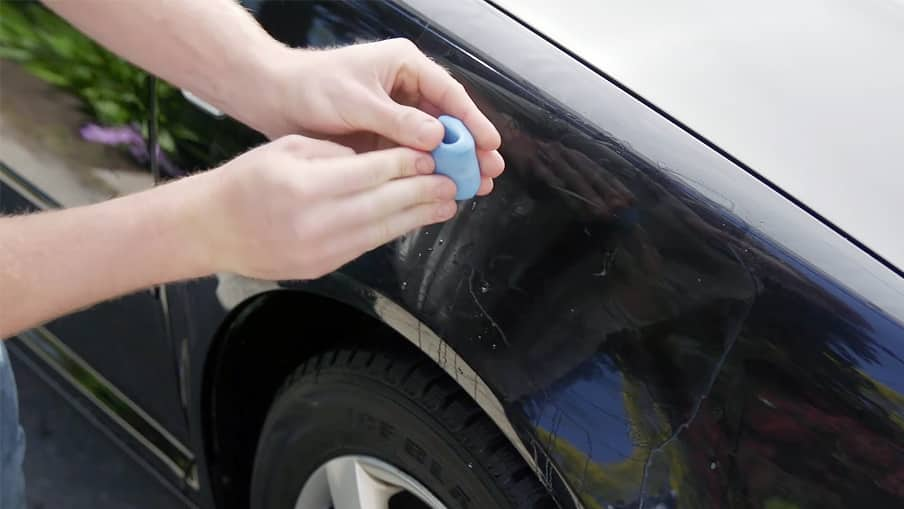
(241, 373)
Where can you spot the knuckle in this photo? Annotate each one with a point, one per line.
(460, 90)
(293, 142)
(407, 117)
(401, 161)
(407, 162)
(342, 150)
(403, 44)
(376, 172)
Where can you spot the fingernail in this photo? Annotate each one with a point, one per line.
(424, 164)
(427, 132)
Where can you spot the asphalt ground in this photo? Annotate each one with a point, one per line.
(70, 463)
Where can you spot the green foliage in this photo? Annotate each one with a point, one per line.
(54, 51)
(112, 91)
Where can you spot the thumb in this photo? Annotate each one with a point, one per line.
(405, 125)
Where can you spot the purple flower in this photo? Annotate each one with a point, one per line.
(129, 136)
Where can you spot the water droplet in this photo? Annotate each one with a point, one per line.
(429, 249)
(404, 285)
(494, 346)
(427, 233)
(440, 241)
(470, 466)
(571, 310)
(699, 279)
(479, 336)
(473, 205)
(713, 465)
(419, 255)
(484, 287)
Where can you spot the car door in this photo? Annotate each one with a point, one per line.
(75, 121)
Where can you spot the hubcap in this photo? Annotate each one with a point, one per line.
(363, 482)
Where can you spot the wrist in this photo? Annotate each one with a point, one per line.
(285, 73)
(187, 216)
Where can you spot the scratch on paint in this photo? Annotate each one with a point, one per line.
(576, 196)
(607, 262)
(732, 337)
(484, 311)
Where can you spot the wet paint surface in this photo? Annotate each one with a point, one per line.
(663, 326)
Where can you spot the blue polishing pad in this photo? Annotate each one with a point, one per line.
(456, 158)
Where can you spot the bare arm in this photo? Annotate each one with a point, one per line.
(212, 47)
(52, 263)
(217, 50)
(290, 209)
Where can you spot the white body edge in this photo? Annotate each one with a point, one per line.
(809, 94)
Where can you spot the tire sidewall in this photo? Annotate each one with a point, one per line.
(345, 413)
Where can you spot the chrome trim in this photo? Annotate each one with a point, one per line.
(112, 403)
(203, 105)
(435, 347)
(18, 184)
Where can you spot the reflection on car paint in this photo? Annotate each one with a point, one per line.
(663, 326)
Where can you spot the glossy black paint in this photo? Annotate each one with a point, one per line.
(660, 326)
(664, 326)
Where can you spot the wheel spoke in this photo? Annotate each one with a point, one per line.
(351, 487)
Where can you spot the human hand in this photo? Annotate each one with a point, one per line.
(376, 95)
(298, 208)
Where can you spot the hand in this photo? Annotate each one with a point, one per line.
(298, 208)
(376, 95)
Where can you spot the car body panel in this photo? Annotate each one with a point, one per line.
(657, 324)
(662, 324)
(808, 94)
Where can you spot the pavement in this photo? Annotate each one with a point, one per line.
(70, 463)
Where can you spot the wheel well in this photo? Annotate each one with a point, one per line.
(257, 349)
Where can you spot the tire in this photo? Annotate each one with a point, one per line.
(400, 408)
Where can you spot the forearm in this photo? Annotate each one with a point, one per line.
(214, 48)
(55, 262)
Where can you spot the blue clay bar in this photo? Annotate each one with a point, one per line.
(456, 158)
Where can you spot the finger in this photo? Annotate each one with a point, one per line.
(486, 186)
(383, 230)
(311, 148)
(346, 175)
(429, 108)
(491, 163)
(440, 88)
(395, 196)
(402, 124)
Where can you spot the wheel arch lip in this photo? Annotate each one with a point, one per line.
(245, 294)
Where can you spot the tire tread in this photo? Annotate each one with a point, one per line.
(436, 392)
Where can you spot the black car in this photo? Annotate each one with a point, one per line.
(651, 310)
